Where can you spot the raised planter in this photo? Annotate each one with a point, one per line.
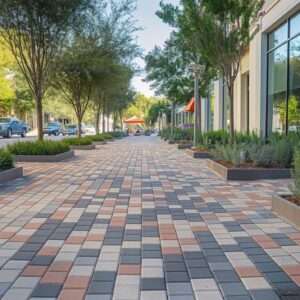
(248, 173)
(171, 142)
(286, 209)
(184, 146)
(83, 147)
(11, 174)
(198, 154)
(99, 143)
(44, 158)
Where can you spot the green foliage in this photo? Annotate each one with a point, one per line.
(117, 134)
(232, 153)
(156, 110)
(277, 152)
(296, 174)
(38, 148)
(6, 160)
(97, 138)
(82, 141)
(107, 136)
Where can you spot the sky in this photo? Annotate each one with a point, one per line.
(154, 32)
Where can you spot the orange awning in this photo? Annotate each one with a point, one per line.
(190, 107)
(134, 121)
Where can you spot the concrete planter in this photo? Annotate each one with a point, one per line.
(83, 147)
(286, 209)
(44, 158)
(99, 143)
(198, 154)
(11, 174)
(248, 173)
(184, 146)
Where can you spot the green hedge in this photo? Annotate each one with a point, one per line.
(38, 148)
(83, 141)
(97, 138)
(6, 160)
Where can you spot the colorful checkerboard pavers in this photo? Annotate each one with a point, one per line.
(139, 219)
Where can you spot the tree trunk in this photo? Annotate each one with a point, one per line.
(108, 115)
(39, 117)
(231, 99)
(79, 125)
(121, 120)
(97, 119)
(103, 121)
(173, 119)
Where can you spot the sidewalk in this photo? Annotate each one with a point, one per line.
(139, 219)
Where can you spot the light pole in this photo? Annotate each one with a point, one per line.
(197, 71)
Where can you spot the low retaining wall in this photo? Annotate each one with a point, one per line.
(287, 210)
(248, 173)
(11, 174)
(44, 158)
(83, 147)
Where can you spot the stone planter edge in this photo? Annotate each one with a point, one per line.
(44, 158)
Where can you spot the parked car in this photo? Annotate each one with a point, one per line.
(53, 128)
(70, 130)
(88, 129)
(11, 126)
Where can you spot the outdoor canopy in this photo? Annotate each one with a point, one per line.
(134, 121)
(190, 107)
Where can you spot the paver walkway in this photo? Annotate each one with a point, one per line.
(138, 219)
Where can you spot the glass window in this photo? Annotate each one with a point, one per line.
(294, 85)
(278, 36)
(277, 89)
(295, 25)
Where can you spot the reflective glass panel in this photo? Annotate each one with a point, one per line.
(277, 89)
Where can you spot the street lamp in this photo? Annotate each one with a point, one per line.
(197, 70)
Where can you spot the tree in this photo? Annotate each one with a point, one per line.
(34, 31)
(221, 33)
(167, 70)
(76, 74)
(156, 111)
(114, 29)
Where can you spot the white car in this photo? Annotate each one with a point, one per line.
(88, 129)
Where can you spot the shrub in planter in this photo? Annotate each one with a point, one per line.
(296, 174)
(6, 160)
(97, 138)
(107, 136)
(232, 153)
(38, 148)
(83, 141)
(117, 134)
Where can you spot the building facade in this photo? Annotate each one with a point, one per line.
(267, 88)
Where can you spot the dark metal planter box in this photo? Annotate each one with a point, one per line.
(11, 174)
(286, 210)
(198, 154)
(171, 142)
(83, 147)
(248, 174)
(44, 158)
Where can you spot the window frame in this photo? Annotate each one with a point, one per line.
(268, 123)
